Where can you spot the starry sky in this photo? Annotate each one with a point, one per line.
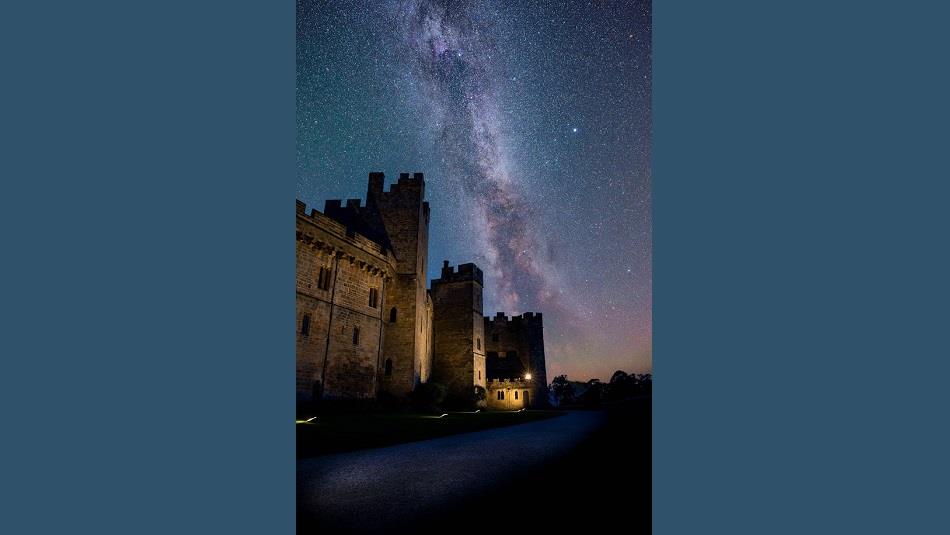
(532, 123)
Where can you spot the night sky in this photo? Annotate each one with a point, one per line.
(532, 124)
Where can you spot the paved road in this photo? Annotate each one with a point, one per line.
(378, 488)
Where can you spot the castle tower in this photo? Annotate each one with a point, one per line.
(515, 352)
(458, 345)
(405, 357)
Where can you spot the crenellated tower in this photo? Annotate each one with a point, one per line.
(458, 354)
(515, 352)
(404, 215)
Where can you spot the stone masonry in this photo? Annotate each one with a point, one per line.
(339, 333)
(366, 324)
(458, 346)
(404, 215)
(515, 351)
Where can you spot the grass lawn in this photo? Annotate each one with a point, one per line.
(334, 433)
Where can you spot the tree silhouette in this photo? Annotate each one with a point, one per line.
(563, 390)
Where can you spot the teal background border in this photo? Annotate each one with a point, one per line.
(800, 267)
(148, 184)
(800, 261)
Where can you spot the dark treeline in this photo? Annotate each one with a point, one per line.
(593, 393)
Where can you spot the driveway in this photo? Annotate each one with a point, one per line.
(381, 488)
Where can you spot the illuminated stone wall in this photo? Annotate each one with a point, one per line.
(330, 360)
(516, 395)
(515, 350)
(403, 214)
(458, 349)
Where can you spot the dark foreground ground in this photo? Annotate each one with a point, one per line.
(586, 471)
(342, 432)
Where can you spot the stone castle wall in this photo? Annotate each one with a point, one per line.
(510, 395)
(404, 214)
(410, 334)
(515, 349)
(458, 353)
(332, 360)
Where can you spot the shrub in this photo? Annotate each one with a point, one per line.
(427, 396)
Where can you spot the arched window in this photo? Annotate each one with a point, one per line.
(388, 370)
(501, 394)
(305, 325)
(392, 315)
(356, 335)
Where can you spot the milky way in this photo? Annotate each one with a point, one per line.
(449, 58)
(532, 125)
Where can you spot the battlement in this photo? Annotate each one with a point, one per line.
(413, 184)
(509, 383)
(466, 272)
(529, 318)
(346, 222)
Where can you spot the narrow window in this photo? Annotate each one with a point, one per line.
(516, 394)
(389, 367)
(356, 335)
(392, 315)
(479, 375)
(373, 297)
(323, 282)
(305, 325)
(478, 343)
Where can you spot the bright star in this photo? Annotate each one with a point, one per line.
(574, 129)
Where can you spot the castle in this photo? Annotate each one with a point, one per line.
(367, 325)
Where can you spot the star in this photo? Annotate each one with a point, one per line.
(479, 98)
